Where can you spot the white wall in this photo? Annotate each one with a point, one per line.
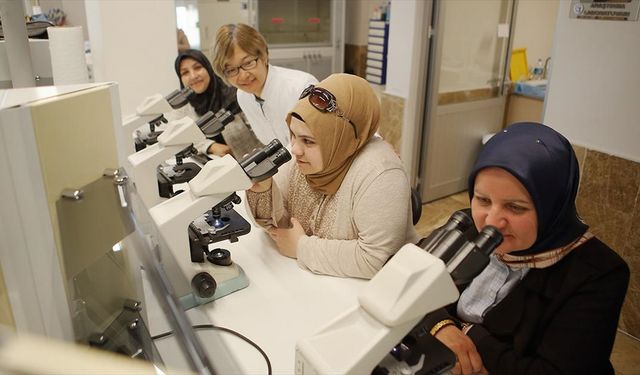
(595, 84)
(534, 28)
(357, 21)
(401, 39)
(134, 43)
(212, 14)
(76, 15)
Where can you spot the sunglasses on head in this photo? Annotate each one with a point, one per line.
(324, 101)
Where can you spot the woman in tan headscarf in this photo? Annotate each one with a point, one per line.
(342, 207)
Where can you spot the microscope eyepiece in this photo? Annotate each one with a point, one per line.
(473, 256)
(259, 155)
(263, 163)
(204, 119)
(459, 222)
(178, 99)
(280, 157)
(212, 124)
(488, 239)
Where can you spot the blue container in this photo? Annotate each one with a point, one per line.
(535, 89)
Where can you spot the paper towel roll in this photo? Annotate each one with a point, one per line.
(68, 63)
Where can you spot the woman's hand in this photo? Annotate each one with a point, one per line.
(219, 149)
(468, 359)
(287, 238)
(262, 186)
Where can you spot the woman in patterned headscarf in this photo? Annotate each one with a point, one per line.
(550, 298)
(342, 207)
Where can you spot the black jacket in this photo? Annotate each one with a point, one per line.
(557, 320)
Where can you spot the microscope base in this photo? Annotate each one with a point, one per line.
(240, 281)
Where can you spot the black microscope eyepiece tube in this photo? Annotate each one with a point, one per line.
(488, 239)
(473, 256)
(203, 121)
(450, 243)
(460, 221)
(280, 157)
(264, 163)
(177, 99)
(259, 155)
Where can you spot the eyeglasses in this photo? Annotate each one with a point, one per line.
(232, 72)
(324, 101)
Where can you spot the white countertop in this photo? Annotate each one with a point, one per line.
(282, 304)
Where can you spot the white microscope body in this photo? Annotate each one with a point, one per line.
(150, 109)
(412, 284)
(217, 180)
(143, 165)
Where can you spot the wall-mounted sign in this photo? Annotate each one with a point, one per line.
(613, 10)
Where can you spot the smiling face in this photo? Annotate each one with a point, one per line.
(304, 147)
(194, 75)
(500, 200)
(249, 80)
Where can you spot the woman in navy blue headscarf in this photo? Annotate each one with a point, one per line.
(550, 298)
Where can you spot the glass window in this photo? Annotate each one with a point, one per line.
(292, 22)
(187, 20)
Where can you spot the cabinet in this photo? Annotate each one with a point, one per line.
(306, 35)
(316, 61)
(523, 108)
(377, 46)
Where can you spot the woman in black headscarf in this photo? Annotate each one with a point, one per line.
(211, 94)
(550, 298)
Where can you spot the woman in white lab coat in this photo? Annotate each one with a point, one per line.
(266, 93)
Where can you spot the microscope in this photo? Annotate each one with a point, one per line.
(213, 124)
(382, 334)
(178, 138)
(180, 173)
(170, 175)
(151, 111)
(190, 222)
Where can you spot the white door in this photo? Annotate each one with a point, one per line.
(465, 95)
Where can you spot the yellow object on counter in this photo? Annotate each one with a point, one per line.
(519, 68)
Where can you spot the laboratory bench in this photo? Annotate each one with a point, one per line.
(282, 304)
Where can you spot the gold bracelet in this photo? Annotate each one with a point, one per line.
(440, 325)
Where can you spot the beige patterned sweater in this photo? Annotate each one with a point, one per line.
(353, 232)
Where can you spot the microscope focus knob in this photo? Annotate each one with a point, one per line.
(204, 285)
(220, 257)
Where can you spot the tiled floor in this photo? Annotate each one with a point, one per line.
(626, 350)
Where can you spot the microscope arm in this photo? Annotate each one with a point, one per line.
(218, 179)
(151, 109)
(412, 284)
(143, 164)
